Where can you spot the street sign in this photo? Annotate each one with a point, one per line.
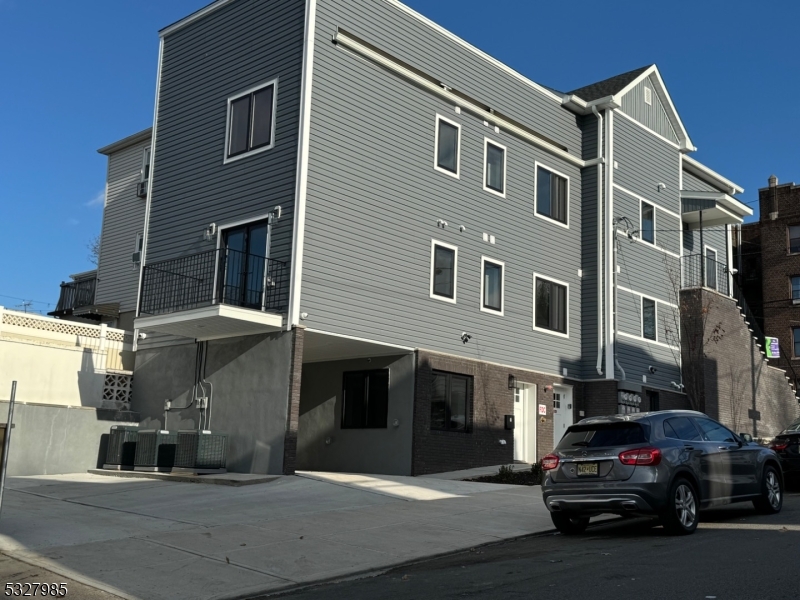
(773, 347)
(543, 409)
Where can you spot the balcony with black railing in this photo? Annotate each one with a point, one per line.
(217, 292)
(698, 270)
(75, 294)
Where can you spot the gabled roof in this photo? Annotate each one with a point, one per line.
(136, 138)
(608, 87)
(609, 92)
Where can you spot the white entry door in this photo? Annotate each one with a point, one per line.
(525, 423)
(562, 411)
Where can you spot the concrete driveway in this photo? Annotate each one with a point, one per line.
(154, 539)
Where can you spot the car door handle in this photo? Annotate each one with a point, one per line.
(688, 447)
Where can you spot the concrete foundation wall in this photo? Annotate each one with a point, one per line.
(250, 377)
(49, 440)
(386, 451)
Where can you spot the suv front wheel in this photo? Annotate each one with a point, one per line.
(568, 524)
(681, 515)
(771, 500)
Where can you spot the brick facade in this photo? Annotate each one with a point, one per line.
(767, 268)
(293, 412)
(736, 382)
(438, 451)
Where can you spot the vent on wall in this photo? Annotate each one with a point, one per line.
(648, 96)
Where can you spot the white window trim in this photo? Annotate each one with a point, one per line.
(484, 260)
(553, 280)
(706, 248)
(641, 319)
(436, 166)
(486, 142)
(642, 202)
(435, 243)
(225, 158)
(536, 165)
(146, 152)
(139, 239)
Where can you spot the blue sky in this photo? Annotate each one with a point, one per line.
(80, 75)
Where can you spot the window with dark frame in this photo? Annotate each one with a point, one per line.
(451, 402)
(551, 305)
(495, 167)
(796, 341)
(795, 281)
(145, 172)
(444, 271)
(794, 238)
(492, 285)
(681, 428)
(649, 319)
(648, 225)
(447, 146)
(250, 120)
(365, 399)
(551, 195)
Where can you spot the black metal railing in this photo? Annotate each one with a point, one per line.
(702, 271)
(221, 276)
(76, 294)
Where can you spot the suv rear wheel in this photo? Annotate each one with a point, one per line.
(681, 515)
(771, 500)
(569, 524)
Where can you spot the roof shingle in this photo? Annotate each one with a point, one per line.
(607, 87)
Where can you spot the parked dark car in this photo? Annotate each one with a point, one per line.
(667, 463)
(787, 446)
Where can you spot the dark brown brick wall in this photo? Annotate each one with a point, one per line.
(437, 451)
(293, 412)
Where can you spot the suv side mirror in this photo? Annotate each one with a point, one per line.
(746, 437)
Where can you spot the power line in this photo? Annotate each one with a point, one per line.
(26, 300)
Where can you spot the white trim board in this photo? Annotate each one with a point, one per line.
(301, 186)
(648, 130)
(566, 305)
(484, 260)
(642, 198)
(645, 340)
(634, 292)
(435, 243)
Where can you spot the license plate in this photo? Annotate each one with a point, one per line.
(587, 468)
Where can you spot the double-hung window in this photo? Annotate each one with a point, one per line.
(796, 341)
(448, 138)
(550, 305)
(795, 280)
(647, 227)
(551, 198)
(365, 399)
(494, 172)
(794, 238)
(444, 261)
(492, 280)
(251, 121)
(649, 319)
(451, 400)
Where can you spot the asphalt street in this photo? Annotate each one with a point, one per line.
(736, 554)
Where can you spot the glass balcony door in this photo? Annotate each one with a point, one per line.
(243, 263)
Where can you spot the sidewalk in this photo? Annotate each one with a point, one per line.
(140, 538)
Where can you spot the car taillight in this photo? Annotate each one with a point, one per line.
(641, 456)
(778, 445)
(549, 462)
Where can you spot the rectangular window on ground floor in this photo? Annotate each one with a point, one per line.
(451, 401)
(649, 319)
(550, 305)
(365, 399)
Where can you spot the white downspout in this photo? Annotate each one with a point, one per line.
(609, 248)
(599, 365)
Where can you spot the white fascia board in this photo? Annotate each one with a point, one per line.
(695, 167)
(488, 58)
(581, 107)
(727, 202)
(342, 38)
(193, 17)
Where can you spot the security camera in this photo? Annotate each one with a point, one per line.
(734, 271)
(465, 337)
(677, 386)
(142, 335)
(652, 370)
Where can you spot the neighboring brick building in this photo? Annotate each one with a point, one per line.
(770, 270)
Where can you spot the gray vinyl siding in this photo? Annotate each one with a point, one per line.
(589, 232)
(232, 49)
(645, 161)
(695, 184)
(667, 226)
(374, 199)
(123, 218)
(715, 237)
(653, 116)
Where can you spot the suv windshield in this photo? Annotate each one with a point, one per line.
(599, 435)
(794, 426)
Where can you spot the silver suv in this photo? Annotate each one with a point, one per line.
(670, 463)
